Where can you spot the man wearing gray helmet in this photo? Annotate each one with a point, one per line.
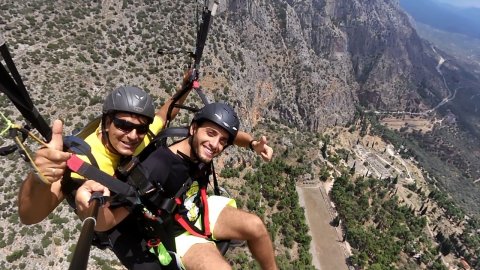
(128, 116)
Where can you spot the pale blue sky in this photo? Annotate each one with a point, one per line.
(462, 3)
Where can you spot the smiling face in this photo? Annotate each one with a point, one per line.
(125, 132)
(208, 140)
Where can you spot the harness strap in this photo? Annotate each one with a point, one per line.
(206, 219)
(13, 69)
(189, 226)
(169, 205)
(79, 146)
(186, 225)
(161, 139)
(216, 188)
(9, 87)
(77, 165)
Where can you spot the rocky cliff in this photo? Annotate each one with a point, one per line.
(324, 57)
(308, 63)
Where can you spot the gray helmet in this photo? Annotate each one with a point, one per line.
(129, 99)
(221, 114)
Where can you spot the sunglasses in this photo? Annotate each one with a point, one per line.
(127, 126)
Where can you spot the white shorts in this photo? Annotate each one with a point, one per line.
(216, 204)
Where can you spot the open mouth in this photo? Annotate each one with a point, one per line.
(208, 152)
(129, 146)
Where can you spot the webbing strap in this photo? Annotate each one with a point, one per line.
(8, 86)
(206, 219)
(216, 188)
(17, 93)
(186, 226)
(78, 145)
(77, 165)
(189, 226)
(16, 76)
(161, 140)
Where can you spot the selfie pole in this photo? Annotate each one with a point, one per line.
(82, 250)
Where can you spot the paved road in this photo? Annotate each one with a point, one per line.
(327, 251)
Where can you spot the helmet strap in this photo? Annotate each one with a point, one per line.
(105, 137)
(193, 152)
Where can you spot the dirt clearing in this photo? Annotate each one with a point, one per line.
(327, 250)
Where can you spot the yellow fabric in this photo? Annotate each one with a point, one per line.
(216, 204)
(108, 161)
(155, 128)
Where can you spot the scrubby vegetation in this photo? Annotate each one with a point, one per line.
(270, 192)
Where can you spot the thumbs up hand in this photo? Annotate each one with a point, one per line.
(261, 148)
(51, 160)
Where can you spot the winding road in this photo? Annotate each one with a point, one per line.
(450, 97)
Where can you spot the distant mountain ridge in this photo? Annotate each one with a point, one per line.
(445, 17)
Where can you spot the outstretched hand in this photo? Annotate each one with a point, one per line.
(51, 160)
(261, 148)
(84, 194)
(106, 218)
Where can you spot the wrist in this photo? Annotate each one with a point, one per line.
(39, 179)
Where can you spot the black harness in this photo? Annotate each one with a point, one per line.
(155, 213)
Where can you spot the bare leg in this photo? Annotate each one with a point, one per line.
(204, 256)
(237, 224)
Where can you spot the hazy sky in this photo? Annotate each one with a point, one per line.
(462, 3)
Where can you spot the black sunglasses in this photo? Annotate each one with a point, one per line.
(127, 126)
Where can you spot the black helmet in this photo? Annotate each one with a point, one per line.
(129, 99)
(221, 114)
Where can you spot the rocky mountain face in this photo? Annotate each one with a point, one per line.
(325, 57)
(309, 64)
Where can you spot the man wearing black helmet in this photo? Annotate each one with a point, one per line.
(181, 172)
(128, 116)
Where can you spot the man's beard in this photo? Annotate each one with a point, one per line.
(197, 149)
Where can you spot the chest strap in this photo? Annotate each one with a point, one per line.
(86, 170)
(190, 226)
(129, 194)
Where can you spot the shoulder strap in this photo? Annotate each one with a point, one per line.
(216, 188)
(79, 166)
(76, 143)
(160, 140)
(79, 146)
